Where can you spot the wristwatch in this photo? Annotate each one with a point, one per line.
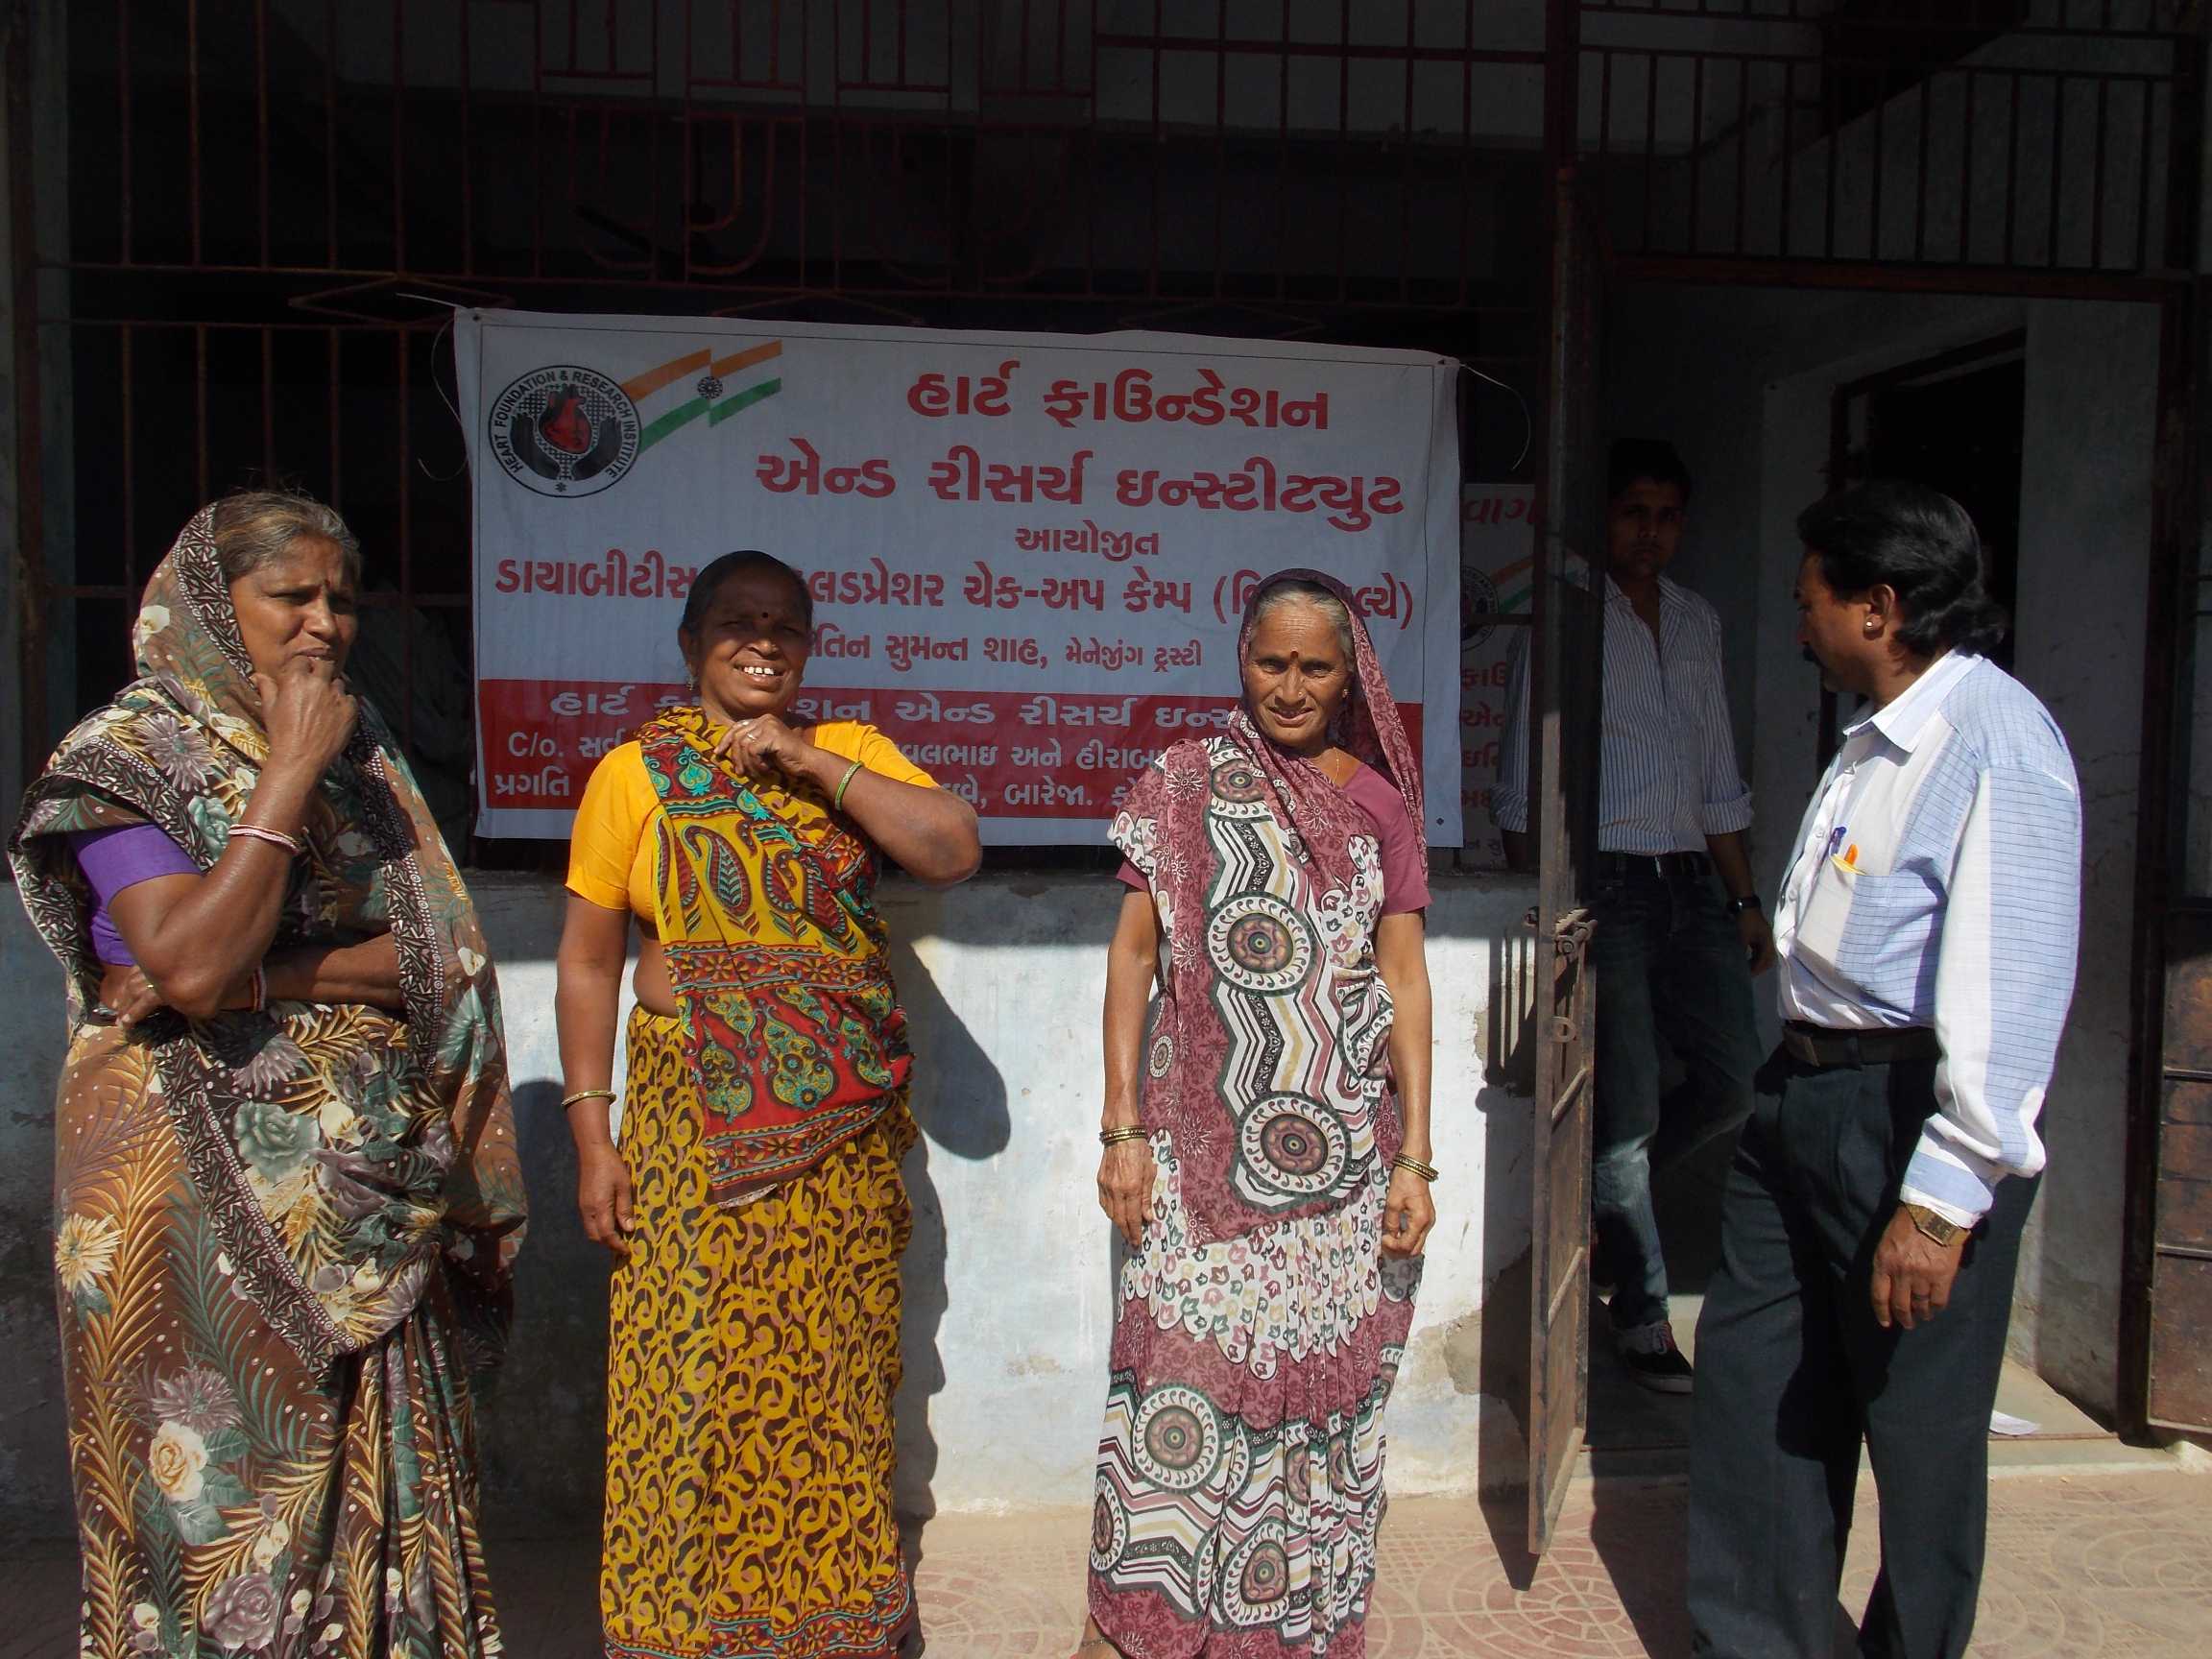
(1940, 1229)
(1749, 901)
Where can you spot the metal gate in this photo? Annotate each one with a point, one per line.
(255, 215)
(1563, 732)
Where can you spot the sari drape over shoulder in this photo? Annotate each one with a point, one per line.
(775, 954)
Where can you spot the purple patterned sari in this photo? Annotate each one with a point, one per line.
(1259, 1330)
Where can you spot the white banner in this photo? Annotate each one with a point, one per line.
(1497, 565)
(1028, 553)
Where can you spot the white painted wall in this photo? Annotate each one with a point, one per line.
(1009, 1303)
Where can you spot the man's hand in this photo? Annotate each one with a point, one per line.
(1913, 1274)
(1758, 936)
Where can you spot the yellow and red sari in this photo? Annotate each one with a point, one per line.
(753, 1344)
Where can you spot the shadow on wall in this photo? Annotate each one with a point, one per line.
(1503, 1352)
(959, 1101)
(542, 1415)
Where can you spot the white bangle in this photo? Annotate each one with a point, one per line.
(275, 837)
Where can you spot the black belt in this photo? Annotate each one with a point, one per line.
(1824, 1046)
(1652, 866)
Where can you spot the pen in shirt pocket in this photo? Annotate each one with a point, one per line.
(1848, 861)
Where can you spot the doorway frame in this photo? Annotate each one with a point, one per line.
(2169, 664)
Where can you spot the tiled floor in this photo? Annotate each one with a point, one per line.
(2100, 1562)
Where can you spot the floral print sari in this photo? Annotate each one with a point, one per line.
(284, 1234)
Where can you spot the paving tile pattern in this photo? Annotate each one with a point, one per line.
(2115, 1565)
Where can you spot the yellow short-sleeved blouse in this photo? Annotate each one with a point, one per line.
(612, 852)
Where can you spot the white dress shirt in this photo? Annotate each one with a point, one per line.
(1938, 882)
(1667, 766)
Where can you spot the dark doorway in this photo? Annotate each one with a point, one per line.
(1955, 424)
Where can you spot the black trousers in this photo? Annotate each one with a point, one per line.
(1793, 1371)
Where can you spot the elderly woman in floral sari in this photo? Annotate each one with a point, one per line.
(1266, 1134)
(286, 1169)
(756, 1199)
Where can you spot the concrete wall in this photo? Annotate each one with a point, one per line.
(1742, 379)
(1009, 1288)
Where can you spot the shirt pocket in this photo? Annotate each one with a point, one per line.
(1881, 907)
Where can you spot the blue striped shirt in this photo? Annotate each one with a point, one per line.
(1667, 769)
(1938, 882)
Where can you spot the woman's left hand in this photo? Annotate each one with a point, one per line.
(1408, 1211)
(126, 993)
(764, 745)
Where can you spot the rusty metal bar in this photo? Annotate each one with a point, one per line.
(31, 571)
(2058, 159)
(1742, 148)
(2143, 181)
(537, 138)
(1282, 160)
(1920, 201)
(261, 118)
(331, 130)
(1329, 49)
(330, 415)
(2185, 161)
(1830, 108)
(399, 134)
(2096, 179)
(2013, 173)
(130, 448)
(1605, 113)
(1789, 149)
(192, 120)
(1881, 164)
(200, 410)
(1220, 136)
(467, 168)
(1405, 171)
(1697, 145)
(1152, 264)
(1872, 22)
(1343, 142)
(1650, 144)
(1966, 174)
(268, 406)
(399, 343)
(2009, 281)
(125, 128)
(1467, 144)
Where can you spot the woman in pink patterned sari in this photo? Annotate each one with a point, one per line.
(1267, 1132)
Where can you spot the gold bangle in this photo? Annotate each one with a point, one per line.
(1127, 1132)
(837, 801)
(606, 1095)
(1403, 1161)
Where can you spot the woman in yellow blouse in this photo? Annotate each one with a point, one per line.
(755, 1205)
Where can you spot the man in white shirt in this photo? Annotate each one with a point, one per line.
(1679, 927)
(1926, 930)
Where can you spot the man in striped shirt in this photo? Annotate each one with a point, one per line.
(1679, 928)
(1927, 929)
